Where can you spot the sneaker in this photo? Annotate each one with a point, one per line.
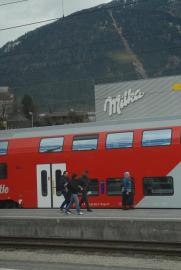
(80, 213)
(67, 212)
(89, 210)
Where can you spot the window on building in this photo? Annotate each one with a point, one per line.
(93, 187)
(157, 137)
(119, 140)
(3, 148)
(82, 143)
(3, 171)
(44, 183)
(114, 186)
(51, 145)
(158, 186)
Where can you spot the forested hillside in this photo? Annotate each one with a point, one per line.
(59, 64)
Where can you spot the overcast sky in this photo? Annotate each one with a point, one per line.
(36, 10)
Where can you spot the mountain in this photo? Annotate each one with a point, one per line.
(58, 64)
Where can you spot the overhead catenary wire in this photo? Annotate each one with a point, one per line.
(14, 2)
(69, 17)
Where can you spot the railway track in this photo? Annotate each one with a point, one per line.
(171, 249)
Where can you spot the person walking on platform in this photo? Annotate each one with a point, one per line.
(64, 190)
(84, 182)
(74, 188)
(126, 190)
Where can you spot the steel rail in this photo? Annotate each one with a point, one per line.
(172, 249)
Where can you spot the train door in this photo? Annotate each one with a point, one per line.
(48, 193)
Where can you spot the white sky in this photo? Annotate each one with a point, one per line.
(36, 10)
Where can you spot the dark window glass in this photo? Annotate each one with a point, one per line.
(58, 176)
(3, 148)
(44, 183)
(3, 171)
(119, 140)
(158, 186)
(51, 145)
(157, 137)
(114, 186)
(93, 187)
(81, 143)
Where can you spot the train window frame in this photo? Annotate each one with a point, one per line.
(50, 151)
(84, 137)
(146, 194)
(3, 171)
(120, 132)
(57, 181)
(114, 179)
(155, 130)
(44, 186)
(6, 148)
(98, 192)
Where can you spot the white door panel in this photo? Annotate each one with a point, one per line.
(48, 176)
(43, 186)
(57, 199)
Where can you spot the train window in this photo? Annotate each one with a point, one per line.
(93, 187)
(157, 137)
(58, 175)
(51, 145)
(81, 143)
(3, 171)
(3, 148)
(114, 186)
(44, 183)
(158, 186)
(119, 140)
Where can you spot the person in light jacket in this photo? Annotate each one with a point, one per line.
(126, 191)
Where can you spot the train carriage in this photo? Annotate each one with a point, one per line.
(31, 161)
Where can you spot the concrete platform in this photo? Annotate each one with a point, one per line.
(153, 226)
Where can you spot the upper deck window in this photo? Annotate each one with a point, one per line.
(119, 140)
(51, 145)
(157, 137)
(3, 148)
(81, 143)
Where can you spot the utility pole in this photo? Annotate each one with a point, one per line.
(63, 8)
(32, 120)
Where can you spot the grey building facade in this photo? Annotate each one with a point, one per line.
(139, 99)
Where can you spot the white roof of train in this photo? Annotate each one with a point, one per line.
(92, 127)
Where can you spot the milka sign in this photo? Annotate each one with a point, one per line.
(117, 104)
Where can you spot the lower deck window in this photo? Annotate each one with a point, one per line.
(158, 186)
(114, 186)
(93, 187)
(3, 171)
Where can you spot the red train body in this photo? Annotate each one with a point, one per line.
(30, 161)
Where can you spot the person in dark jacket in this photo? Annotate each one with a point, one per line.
(84, 182)
(74, 188)
(64, 190)
(126, 190)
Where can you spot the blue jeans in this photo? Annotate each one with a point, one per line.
(74, 199)
(66, 199)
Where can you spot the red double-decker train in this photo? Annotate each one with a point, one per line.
(31, 161)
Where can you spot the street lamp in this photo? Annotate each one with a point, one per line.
(31, 113)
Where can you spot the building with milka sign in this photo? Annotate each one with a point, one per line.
(139, 99)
